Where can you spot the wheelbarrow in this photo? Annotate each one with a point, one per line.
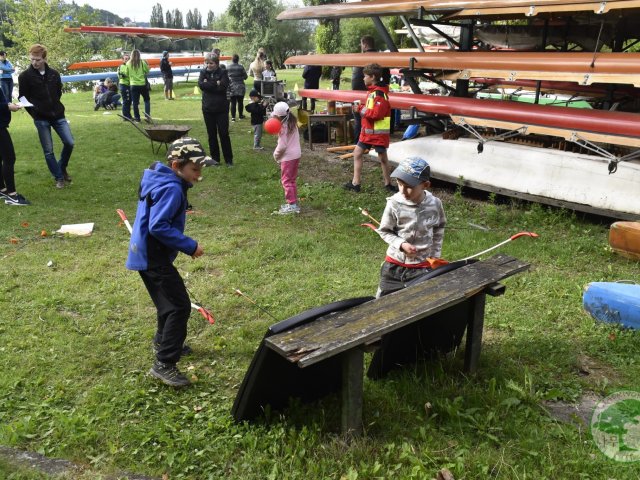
(162, 134)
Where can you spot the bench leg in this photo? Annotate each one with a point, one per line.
(474, 333)
(352, 391)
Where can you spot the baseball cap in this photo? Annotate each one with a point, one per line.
(254, 93)
(280, 109)
(412, 171)
(187, 149)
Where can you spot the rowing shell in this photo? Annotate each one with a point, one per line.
(453, 8)
(152, 62)
(581, 67)
(151, 32)
(621, 128)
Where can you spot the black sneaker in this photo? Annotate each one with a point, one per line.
(186, 349)
(168, 373)
(4, 194)
(391, 188)
(16, 199)
(352, 187)
(66, 176)
(211, 163)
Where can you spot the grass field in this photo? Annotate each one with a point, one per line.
(76, 332)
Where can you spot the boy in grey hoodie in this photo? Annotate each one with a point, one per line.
(413, 225)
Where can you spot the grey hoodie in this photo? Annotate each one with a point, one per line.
(421, 225)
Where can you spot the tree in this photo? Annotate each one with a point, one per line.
(157, 18)
(211, 18)
(177, 19)
(169, 19)
(41, 21)
(327, 36)
(194, 20)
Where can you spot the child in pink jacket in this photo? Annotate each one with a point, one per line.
(287, 154)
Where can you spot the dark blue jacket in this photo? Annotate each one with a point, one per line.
(159, 225)
(311, 75)
(5, 113)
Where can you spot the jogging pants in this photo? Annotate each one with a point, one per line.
(169, 295)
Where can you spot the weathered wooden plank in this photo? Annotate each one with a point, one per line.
(329, 336)
(474, 334)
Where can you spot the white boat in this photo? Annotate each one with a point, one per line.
(565, 179)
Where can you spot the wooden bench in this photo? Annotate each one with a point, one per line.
(451, 302)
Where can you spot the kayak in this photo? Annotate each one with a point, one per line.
(624, 238)
(613, 302)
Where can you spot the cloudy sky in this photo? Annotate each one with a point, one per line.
(140, 10)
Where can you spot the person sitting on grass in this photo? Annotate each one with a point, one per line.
(376, 123)
(413, 225)
(258, 109)
(158, 236)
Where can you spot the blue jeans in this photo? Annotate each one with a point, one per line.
(125, 91)
(136, 92)
(6, 84)
(61, 127)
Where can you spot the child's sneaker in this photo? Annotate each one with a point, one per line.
(391, 188)
(288, 208)
(16, 199)
(168, 373)
(352, 187)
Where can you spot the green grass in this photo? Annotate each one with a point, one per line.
(76, 336)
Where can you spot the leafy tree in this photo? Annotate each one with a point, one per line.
(41, 21)
(157, 17)
(211, 18)
(327, 36)
(177, 19)
(257, 20)
(168, 19)
(194, 20)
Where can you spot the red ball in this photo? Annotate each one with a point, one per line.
(273, 126)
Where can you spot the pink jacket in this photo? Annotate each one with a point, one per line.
(288, 147)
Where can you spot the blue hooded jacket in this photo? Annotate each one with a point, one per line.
(159, 225)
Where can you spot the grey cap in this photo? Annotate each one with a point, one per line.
(412, 171)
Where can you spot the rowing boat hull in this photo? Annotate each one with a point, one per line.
(624, 238)
(152, 62)
(151, 32)
(458, 8)
(581, 67)
(612, 302)
(88, 77)
(620, 128)
(564, 179)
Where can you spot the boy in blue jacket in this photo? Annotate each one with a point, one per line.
(155, 242)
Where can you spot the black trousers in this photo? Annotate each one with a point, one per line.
(304, 103)
(8, 160)
(236, 101)
(218, 126)
(169, 295)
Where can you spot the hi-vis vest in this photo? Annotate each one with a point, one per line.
(379, 126)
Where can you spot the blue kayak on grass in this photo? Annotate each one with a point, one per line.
(613, 302)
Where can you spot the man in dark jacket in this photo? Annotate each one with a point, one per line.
(213, 82)
(167, 75)
(311, 75)
(41, 85)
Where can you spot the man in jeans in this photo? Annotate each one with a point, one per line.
(41, 85)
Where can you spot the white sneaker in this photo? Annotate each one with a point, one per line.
(289, 208)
